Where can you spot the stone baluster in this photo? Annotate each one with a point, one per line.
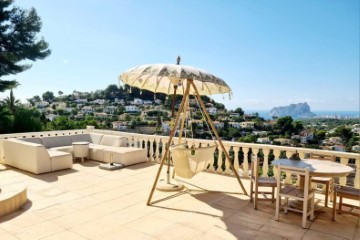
(255, 152)
(277, 156)
(157, 152)
(227, 164)
(245, 162)
(343, 161)
(139, 142)
(132, 142)
(236, 158)
(162, 146)
(302, 155)
(266, 162)
(212, 161)
(151, 149)
(219, 161)
(357, 173)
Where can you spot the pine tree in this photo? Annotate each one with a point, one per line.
(18, 42)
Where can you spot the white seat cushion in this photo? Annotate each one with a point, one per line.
(125, 155)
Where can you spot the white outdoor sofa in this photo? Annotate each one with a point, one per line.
(47, 154)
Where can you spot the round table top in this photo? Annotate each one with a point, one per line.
(318, 168)
(80, 143)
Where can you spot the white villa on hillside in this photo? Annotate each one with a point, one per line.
(42, 104)
(132, 108)
(218, 124)
(211, 110)
(236, 125)
(247, 124)
(99, 101)
(87, 109)
(138, 101)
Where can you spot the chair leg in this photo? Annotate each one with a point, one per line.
(312, 207)
(286, 205)
(334, 206)
(326, 193)
(277, 207)
(272, 194)
(251, 190)
(256, 196)
(304, 213)
(340, 204)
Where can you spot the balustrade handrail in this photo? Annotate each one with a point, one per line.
(154, 151)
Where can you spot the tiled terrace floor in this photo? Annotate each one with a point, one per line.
(89, 203)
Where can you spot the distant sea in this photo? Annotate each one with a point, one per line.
(319, 114)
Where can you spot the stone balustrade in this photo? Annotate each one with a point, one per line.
(239, 152)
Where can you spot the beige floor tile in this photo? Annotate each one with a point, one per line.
(231, 202)
(54, 211)
(13, 222)
(38, 231)
(178, 231)
(83, 203)
(250, 221)
(64, 235)
(73, 219)
(228, 234)
(201, 221)
(149, 225)
(104, 225)
(342, 227)
(310, 235)
(6, 235)
(125, 233)
(284, 230)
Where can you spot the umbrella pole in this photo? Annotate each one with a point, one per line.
(218, 137)
(174, 126)
(172, 133)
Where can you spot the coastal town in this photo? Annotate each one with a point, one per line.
(126, 110)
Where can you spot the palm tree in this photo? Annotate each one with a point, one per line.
(10, 101)
(6, 119)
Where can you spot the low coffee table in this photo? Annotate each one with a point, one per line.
(80, 150)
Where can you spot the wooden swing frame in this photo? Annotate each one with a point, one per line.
(189, 84)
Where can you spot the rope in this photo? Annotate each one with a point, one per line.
(203, 115)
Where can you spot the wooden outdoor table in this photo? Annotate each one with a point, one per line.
(318, 168)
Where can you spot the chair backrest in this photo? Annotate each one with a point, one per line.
(327, 157)
(294, 170)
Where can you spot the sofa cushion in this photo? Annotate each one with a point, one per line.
(32, 140)
(125, 155)
(68, 149)
(81, 138)
(58, 141)
(114, 141)
(96, 152)
(96, 138)
(60, 160)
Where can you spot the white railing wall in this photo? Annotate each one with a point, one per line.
(156, 146)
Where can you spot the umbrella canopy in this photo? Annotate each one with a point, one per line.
(161, 78)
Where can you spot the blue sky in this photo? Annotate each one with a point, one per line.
(271, 53)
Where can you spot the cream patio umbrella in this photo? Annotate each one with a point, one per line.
(178, 79)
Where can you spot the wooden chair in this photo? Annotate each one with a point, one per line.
(306, 195)
(328, 182)
(257, 181)
(345, 192)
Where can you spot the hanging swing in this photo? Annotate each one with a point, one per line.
(190, 161)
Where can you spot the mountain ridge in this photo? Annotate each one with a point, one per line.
(298, 110)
